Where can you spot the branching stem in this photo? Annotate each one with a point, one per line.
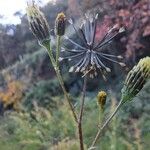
(101, 129)
(58, 74)
(65, 93)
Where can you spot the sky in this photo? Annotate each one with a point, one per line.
(9, 7)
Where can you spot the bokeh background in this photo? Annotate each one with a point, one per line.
(33, 113)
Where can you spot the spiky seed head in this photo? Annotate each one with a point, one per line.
(101, 99)
(136, 79)
(37, 22)
(60, 24)
(90, 57)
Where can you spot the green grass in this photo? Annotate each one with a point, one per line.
(42, 128)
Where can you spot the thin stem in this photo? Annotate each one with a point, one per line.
(101, 129)
(65, 93)
(58, 74)
(83, 98)
(46, 44)
(80, 132)
(80, 136)
(101, 115)
(58, 49)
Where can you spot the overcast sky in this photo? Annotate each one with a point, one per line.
(9, 7)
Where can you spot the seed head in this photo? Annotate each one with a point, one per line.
(136, 79)
(101, 99)
(38, 23)
(60, 24)
(88, 55)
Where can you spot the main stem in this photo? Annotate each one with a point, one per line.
(58, 49)
(80, 131)
(65, 93)
(105, 124)
(58, 74)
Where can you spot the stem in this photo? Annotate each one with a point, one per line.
(80, 132)
(101, 114)
(105, 124)
(65, 93)
(60, 79)
(80, 136)
(46, 44)
(58, 49)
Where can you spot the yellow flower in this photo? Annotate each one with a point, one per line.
(101, 99)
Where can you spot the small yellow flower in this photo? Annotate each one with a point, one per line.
(101, 99)
(136, 79)
(38, 23)
(60, 24)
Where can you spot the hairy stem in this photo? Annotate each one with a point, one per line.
(46, 44)
(80, 131)
(65, 93)
(58, 49)
(58, 74)
(101, 115)
(101, 129)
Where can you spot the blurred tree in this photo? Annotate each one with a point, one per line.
(135, 15)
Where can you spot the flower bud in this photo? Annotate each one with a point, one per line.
(60, 24)
(38, 23)
(136, 79)
(101, 99)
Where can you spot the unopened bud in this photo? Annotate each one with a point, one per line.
(60, 24)
(101, 99)
(136, 79)
(38, 23)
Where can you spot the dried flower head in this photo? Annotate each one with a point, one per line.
(60, 24)
(88, 55)
(101, 99)
(136, 79)
(38, 23)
